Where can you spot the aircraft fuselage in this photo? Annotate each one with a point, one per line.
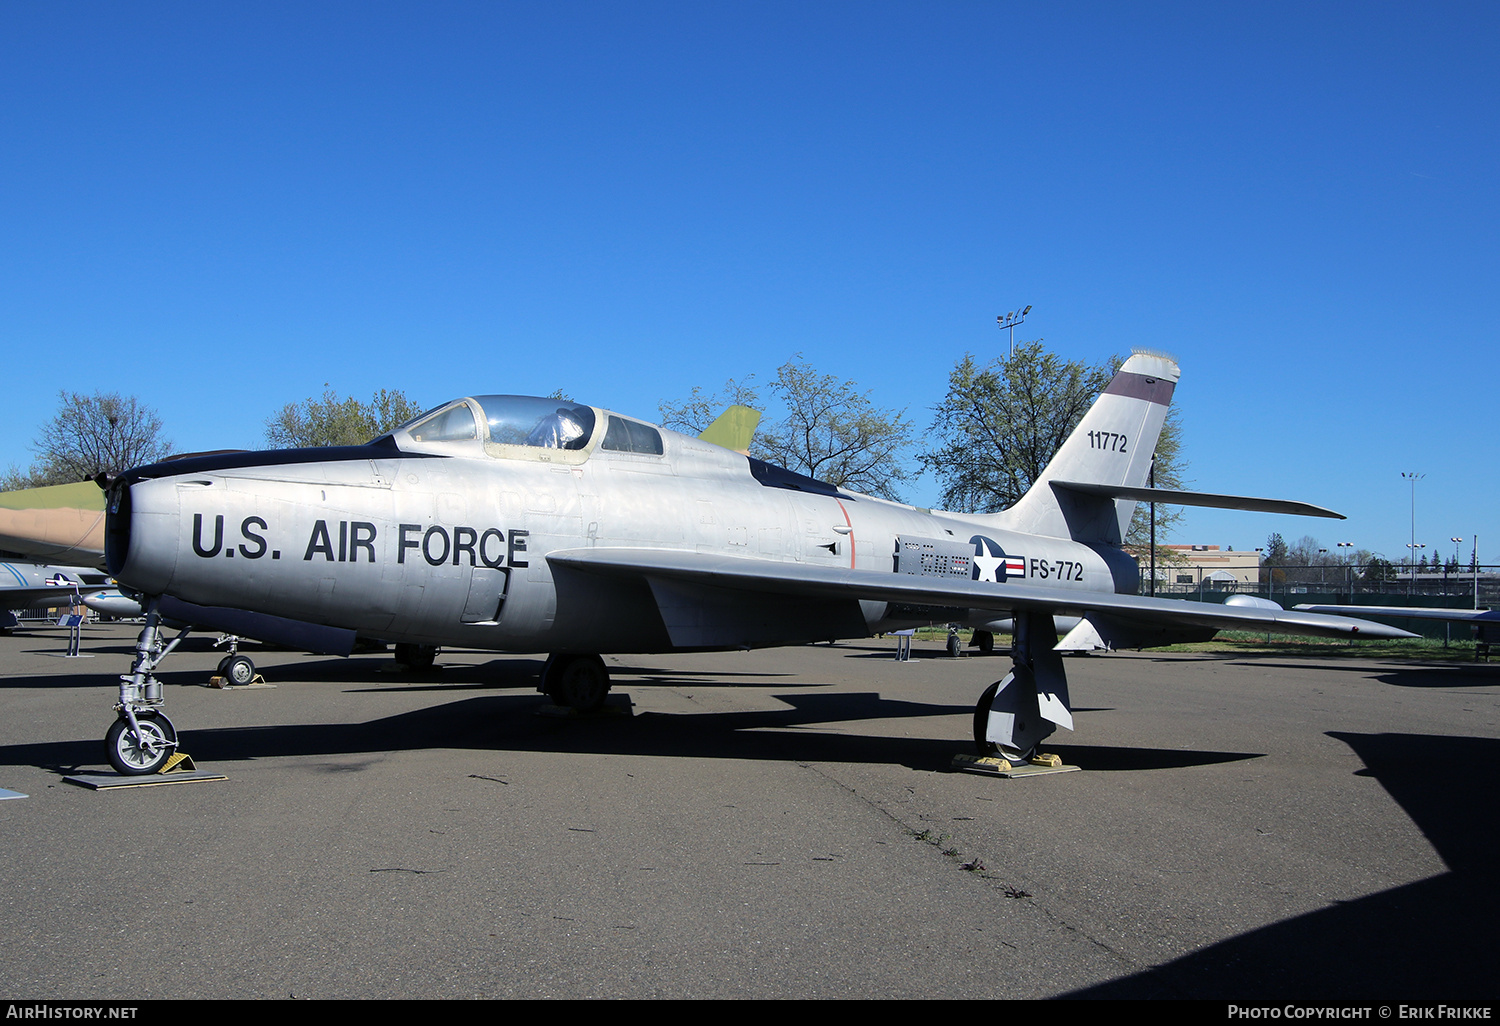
(436, 545)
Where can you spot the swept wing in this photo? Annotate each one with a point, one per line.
(834, 584)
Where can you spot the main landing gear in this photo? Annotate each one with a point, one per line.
(238, 669)
(580, 682)
(415, 657)
(142, 739)
(1019, 712)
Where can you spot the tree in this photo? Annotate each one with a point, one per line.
(335, 421)
(694, 414)
(15, 478)
(1000, 425)
(832, 432)
(827, 429)
(103, 433)
(1274, 558)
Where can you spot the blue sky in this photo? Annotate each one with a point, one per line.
(221, 207)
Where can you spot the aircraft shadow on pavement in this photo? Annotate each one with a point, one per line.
(506, 674)
(808, 728)
(73, 680)
(1105, 757)
(1461, 675)
(922, 655)
(1424, 941)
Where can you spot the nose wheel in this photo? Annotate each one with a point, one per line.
(144, 748)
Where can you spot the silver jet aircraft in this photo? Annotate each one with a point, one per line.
(522, 524)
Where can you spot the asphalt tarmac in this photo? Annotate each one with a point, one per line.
(781, 823)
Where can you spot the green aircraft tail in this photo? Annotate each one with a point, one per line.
(733, 429)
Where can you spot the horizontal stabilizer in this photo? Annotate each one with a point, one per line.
(1213, 500)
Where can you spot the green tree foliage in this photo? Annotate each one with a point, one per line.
(91, 434)
(332, 420)
(1274, 558)
(824, 427)
(832, 432)
(693, 415)
(1000, 425)
(15, 478)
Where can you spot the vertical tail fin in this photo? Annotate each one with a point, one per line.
(1112, 445)
(733, 429)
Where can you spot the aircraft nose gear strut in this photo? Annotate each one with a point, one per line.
(142, 739)
(1018, 713)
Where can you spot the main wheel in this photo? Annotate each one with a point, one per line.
(238, 670)
(134, 756)
(982, 721)
(416, 657)
(581, 683)
(984, 641)
(955, 646)
(981, 724)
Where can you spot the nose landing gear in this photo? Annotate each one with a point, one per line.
(142, 740)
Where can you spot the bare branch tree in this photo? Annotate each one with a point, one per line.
(828, 429)
(94, 434)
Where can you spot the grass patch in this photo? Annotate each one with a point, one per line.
(1406, 648)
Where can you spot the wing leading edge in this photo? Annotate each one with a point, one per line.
(761, 578)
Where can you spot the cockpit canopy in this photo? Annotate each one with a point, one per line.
(508, 420)
(527, 427)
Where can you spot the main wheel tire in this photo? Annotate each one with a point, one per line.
(982, 721)
(224, 666)
(582, 683)
(238, 670)
(955, 646)
(984, 641)
(416, 657)
(134, 756)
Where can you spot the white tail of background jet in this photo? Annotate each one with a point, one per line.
(1110, 448)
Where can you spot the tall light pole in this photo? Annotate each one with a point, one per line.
(1413, 477)
(1474, 561)
(1348, 561)
(1414, 546)
(1010, 321)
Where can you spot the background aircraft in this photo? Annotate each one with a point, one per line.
(61, 523)
(33, 586)
(540, 525)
